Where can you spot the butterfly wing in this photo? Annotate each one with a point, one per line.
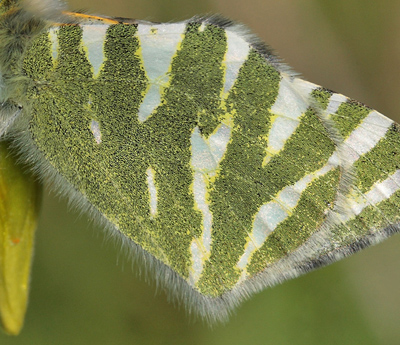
(194, 145)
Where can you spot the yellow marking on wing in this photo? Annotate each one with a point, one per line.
(269, 152)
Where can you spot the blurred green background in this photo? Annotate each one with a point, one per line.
(85, 291)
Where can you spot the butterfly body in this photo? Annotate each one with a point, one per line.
(196, 146)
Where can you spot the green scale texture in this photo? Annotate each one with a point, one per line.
(112, 175)
(65, 98)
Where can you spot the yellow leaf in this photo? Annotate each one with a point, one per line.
(19, 209)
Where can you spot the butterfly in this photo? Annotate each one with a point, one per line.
(194, 145)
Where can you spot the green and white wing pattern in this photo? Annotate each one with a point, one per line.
(216, 163)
